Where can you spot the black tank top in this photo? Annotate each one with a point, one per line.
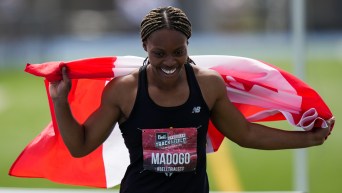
(146, 114)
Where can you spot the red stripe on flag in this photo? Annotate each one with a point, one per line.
(85, 68)
(47, 156)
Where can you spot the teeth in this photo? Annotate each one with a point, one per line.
(168, 71)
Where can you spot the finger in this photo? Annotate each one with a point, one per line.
(331, 122)
(65, 74)
(332, 119)
(54, 83)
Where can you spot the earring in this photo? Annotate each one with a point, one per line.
(188, 60)
(146, 61)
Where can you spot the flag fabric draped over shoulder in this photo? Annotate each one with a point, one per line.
(261, 91)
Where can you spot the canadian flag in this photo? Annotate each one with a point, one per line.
(261, 91)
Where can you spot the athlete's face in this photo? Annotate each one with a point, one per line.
(167, 52)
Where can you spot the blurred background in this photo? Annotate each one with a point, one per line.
(40, 30)
(36, 31)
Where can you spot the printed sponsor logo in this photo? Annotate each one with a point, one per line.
(163, 140)
(161, 136)
(196, 109)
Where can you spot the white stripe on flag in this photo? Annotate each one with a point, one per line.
(125, 65)
(115, 157)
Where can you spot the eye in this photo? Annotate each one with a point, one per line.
(158, 54)
(179, 52)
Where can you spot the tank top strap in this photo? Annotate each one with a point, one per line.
(192, 81)
(142, 93)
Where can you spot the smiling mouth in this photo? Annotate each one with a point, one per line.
(171, 71)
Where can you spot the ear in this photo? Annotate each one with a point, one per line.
(144, 46)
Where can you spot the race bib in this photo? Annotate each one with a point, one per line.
(170, 150)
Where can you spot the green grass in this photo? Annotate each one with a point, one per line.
(24, 113)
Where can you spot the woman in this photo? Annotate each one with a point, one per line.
(163, 111)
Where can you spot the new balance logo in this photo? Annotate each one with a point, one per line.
(196, 109)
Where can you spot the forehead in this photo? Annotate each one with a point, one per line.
(169, 37)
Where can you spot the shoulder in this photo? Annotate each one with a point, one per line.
(208, 77)
(123, 81)
(205, 72)
(211, 84)
(121, 88)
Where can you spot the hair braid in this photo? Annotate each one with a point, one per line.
(165, 17)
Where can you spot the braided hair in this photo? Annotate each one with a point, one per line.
(165, 18)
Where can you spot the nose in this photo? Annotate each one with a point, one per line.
(170, 61)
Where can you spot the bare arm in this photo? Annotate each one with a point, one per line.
(231, 123)
(82, 139)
